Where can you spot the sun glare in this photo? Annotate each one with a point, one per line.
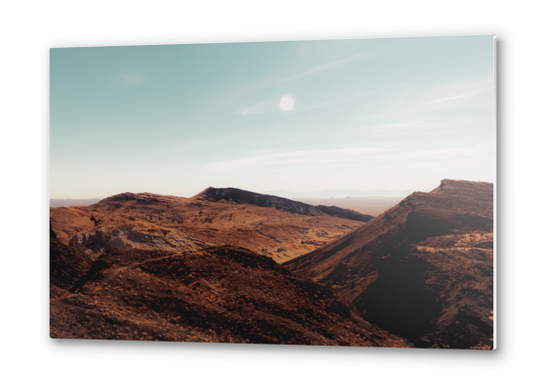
(287, 103)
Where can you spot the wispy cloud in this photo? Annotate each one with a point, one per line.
(410, 126)
(131, 78)
(365, 158)
(272, 105)
(450, 99)
(265, 107)
(422, 106)
(300, 157)
(333, 103)
(451, 94)
(446, 153)
(355, 58)
(366, 55)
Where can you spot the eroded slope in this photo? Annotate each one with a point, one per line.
(221, 294)
(423, 269)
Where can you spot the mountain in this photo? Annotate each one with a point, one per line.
(240, 196)
(219, 294)
(268, 225)
(422, 270)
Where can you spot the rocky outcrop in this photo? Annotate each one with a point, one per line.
(104, 240)
(66, 265)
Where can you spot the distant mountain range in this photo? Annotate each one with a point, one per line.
(327, 193)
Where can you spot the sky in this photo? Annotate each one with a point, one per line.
(297, 117)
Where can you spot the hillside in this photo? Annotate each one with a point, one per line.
(240, 196)
(66, 266)
(220, 294)
(170, 223)
(423, 269)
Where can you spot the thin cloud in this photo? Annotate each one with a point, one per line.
(300, 157)
(265, 107)
(131, 78)
(270, 106)
(367, 158)
(333, 103)
(366, 94)
(454, 93)
(403, 103)
(355, 58)
(414, 130)
(321, 68)
(453, 98)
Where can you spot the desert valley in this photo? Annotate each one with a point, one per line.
(234, 266)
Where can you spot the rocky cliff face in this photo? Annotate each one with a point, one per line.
(423, 269)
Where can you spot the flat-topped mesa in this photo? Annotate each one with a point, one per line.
(464, 187)
(463, 205)
(240, 196)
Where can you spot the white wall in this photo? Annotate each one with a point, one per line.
(29, 28)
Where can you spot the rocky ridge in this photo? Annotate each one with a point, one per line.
(423, 269)
(240, 196)
(150, 221)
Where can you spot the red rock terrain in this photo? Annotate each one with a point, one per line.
(151, 267)
(220, 294)
(268, 225)
(422, 270)
(66, 266)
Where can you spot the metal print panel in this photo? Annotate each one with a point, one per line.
(307, 192)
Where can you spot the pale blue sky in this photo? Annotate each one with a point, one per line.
(369, 114)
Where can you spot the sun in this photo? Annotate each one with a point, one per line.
(287, 103)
